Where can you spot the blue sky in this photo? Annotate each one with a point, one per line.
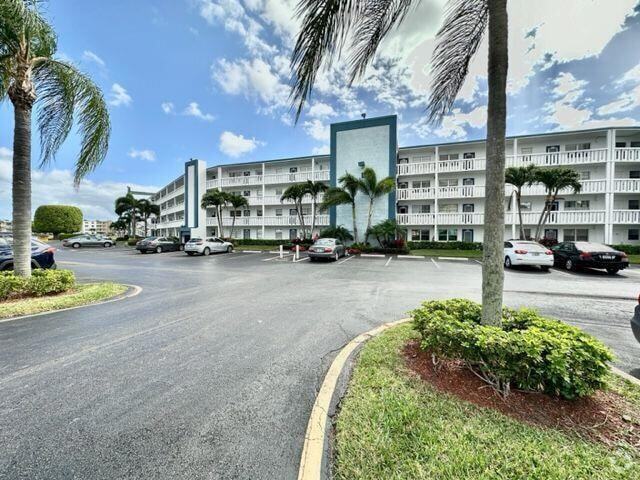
(209, 79)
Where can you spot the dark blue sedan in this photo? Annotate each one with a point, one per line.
(41, 254)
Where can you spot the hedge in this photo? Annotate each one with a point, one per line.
(41, 282)
(629, 249)
(57, 219)
(64, 236)
(527, 351)
(444, 245)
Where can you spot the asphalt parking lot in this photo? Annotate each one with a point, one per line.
(212, 370)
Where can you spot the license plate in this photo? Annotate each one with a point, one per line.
(607, 257)
(535, 254)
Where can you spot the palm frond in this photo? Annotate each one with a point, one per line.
(63, 92)
(322, 35)
(457, 42)
(376, 19)
(21, 21)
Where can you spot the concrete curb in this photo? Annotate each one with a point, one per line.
(576, 295)
(131, 292)
(313, 452)
(314, 460)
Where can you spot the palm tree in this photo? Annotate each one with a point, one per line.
(218, 200)
(235, 201)
(296, 193)
(520, 177)
(29, 75)
(129, 207)
(326, 26)
(339, 232)
(554, 180)
(386, 232)
(374, 189)
(146, 210)
(345, 194)
(314, 189)
(119, 226)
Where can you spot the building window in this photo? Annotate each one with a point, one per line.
(633, 234)
(403, 161)
(449, 208)
(259, 234)
(246, 173)
(293, 170)
(635, 145)
(246, 193)
(551, 233)
(246, 234)
(467, 235)
(448, 182)
(449, 156)
(420, 235)
(576, 204)
(586, 175)
(553, 148)
(278, 234)
(259, 212)
(421, 208)
(468, 207)
(421, 184)
(278, 191)
(527, 233)
(402, 185)
(278, 213)
(634, 174)
(569, 147)
(469, 155)
(621, 144)
(525, 206)
(448, 234)
(293, 211)
(634, 204)
(247, 213)
(403, 209)
(576, 234)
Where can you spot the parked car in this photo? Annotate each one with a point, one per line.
(635, 321)
(159, 244)
(207, 245)
(41, 254)
(328, 248)
(88, 240)
(574, 255)
(524, 252)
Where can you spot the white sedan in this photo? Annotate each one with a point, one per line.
(205, 246)
(523, 252)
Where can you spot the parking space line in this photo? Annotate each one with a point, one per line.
(416, 257)
(301, 259)
(478, 261)
(372, 255)
(562, 273)
(276, 258)
(435, 263)
(346, 260)
(388, 262)
(462, 259)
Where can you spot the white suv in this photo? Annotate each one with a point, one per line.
(207, 245)
(523, 252)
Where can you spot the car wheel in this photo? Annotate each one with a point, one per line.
(507, 262)
(143, 251)
(181, 248)
(107, 244)
(76, 245)
(544, 268)
(190, 254)
(312, 259)
(568, 264)
(229, 249)
(612, 271)
(206, 251)
(337, 256)
(158, 249)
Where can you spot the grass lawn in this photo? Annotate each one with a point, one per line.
(80, 295)
(393, 425)
(634, 259)
(429, 252)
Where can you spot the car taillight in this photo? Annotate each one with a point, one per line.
(521, 252)
(548, 252)
(623, 254)
(328, 250)
(585, 256)
(50, 250)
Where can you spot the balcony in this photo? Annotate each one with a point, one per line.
(626, 216)
(237, 181)
(285, 220)
(565, 217)
(211, 184)
(442, 218)
(575, 157)
(627, 154)
(444, 166)
(588, 186)
(461, 191)
(626, 185)
(416, 193)
(298, 177)
(416, 168)
(275, 200)
(170, 224)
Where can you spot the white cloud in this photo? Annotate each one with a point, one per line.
(453, 126)
(317, 130)
(236, 145)
(629, 99)
(321, 150)
(146, 155)
(167, 107)
(193, 110)
(90, 56)
(119, 96)
(321, 110)
(95, 199)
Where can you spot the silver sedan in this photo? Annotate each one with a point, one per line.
(329, 248)
(87, 241)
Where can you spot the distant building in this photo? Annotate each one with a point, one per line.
(100, 227)
(5, 226)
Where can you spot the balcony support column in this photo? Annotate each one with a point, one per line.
(608, 186)
(263, 186)
(435, 195)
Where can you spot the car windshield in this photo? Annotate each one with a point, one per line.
(593, 247)
(325, 241)
(150, 239)
(193, 240)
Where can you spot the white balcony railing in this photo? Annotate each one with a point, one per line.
(416, 168)
(626, 185)
(574, 157)
(213, 184)
(415, 218)
(461, 191)
(284, 220)
(443, 218)
(275, 200)
(588, 186)
(272, 178)
(564, 217)
(461, 165)
(415, 193)
(626, 216)
(240, 181)
(170, 224)
(578, 217)
(628, 154)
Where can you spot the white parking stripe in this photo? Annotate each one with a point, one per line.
(276, 257)
(435, 263)
(388, 262)
(562, 273)
(301, 260)
(346, 259)
(478, 261)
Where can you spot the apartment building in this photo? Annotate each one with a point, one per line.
(440, 187)
(100, 227)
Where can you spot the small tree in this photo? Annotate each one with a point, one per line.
(386, 232)
(519, 177)
(235, 201)
(345, 194)
(296, 193)
(314, 189)
(374, 189)
(57, 219)
(218, 200)
(554, 180)
(130, 206)
(147, 209)
(339, 232)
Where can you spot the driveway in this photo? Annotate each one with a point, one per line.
(212, 370)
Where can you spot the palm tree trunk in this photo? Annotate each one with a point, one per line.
(302, 225)
(355, 225)
(519, 205)
(492, 269)
(21, 191)
(219, 214)
(313, 214)
(146, 218)
(233, 226)
(369, 214)
(542, 215)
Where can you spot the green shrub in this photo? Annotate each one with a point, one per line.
(444, 245)
(64, 236)
(629, 249)
(57, 219)
(527, 351)
(255, 241)
(41, 282)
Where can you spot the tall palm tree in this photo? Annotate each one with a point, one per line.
(218, 200)
(520, 177)
(326, 27)
(314, 189)
(345, 194)
(235, 201)
(29, 75)
(373, 188)
(296, 193)
(554, 180)
(146, 210)
(129, 207)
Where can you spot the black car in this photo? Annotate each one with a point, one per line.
(159, 244)
(574, 255)
(41, 254)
